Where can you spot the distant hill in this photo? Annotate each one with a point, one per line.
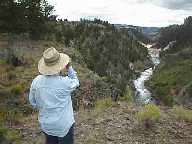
(145, 30)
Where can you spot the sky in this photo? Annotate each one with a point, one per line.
(158, 13)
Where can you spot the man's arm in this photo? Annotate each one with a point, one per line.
(32, 100)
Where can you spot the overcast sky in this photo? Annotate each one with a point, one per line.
(135, 12)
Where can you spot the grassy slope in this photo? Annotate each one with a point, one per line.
(172, 81)
(15, 83)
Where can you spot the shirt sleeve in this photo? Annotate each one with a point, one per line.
(32, 100)
(73, 79)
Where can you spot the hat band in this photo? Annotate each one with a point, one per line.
(51, 62)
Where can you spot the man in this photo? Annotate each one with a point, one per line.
(50, 93)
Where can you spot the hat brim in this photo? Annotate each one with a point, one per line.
(53, 69)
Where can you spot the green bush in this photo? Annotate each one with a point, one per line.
(182, 113)
(149, 115)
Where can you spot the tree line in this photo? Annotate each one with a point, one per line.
(181, 33)
(25, 16)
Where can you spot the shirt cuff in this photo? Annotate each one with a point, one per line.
(71, 72)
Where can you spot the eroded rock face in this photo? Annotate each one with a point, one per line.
(175, 91)
(170, 45)
(86, 95)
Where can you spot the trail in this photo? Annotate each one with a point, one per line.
(115, 124)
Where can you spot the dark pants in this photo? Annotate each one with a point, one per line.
(68, 139)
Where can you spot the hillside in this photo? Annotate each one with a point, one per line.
(171, 83)
(101, 55)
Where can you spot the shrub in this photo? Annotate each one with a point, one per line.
(26, 109)
(8, 135)
(12, 135)
(17, 89)
(104, 102)
(3, 132)
(4, 92)
(168, 100)
(127, 95)
(13, 116)
(149, 115)
(15, 56)
(182, 113)
(2, 62)
(2, 116)
(11, 75)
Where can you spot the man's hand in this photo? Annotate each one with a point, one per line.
(68, 65)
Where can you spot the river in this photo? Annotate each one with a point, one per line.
(143, 95)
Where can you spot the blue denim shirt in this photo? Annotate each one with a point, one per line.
(51, 95)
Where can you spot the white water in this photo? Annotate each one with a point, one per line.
(142, 94)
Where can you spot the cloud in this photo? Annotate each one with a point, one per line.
(174, 4)
(76, 9)
(135, 12)
(170, 4)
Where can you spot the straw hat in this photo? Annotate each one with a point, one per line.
(52, 62)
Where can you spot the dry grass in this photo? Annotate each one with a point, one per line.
(182, 113)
